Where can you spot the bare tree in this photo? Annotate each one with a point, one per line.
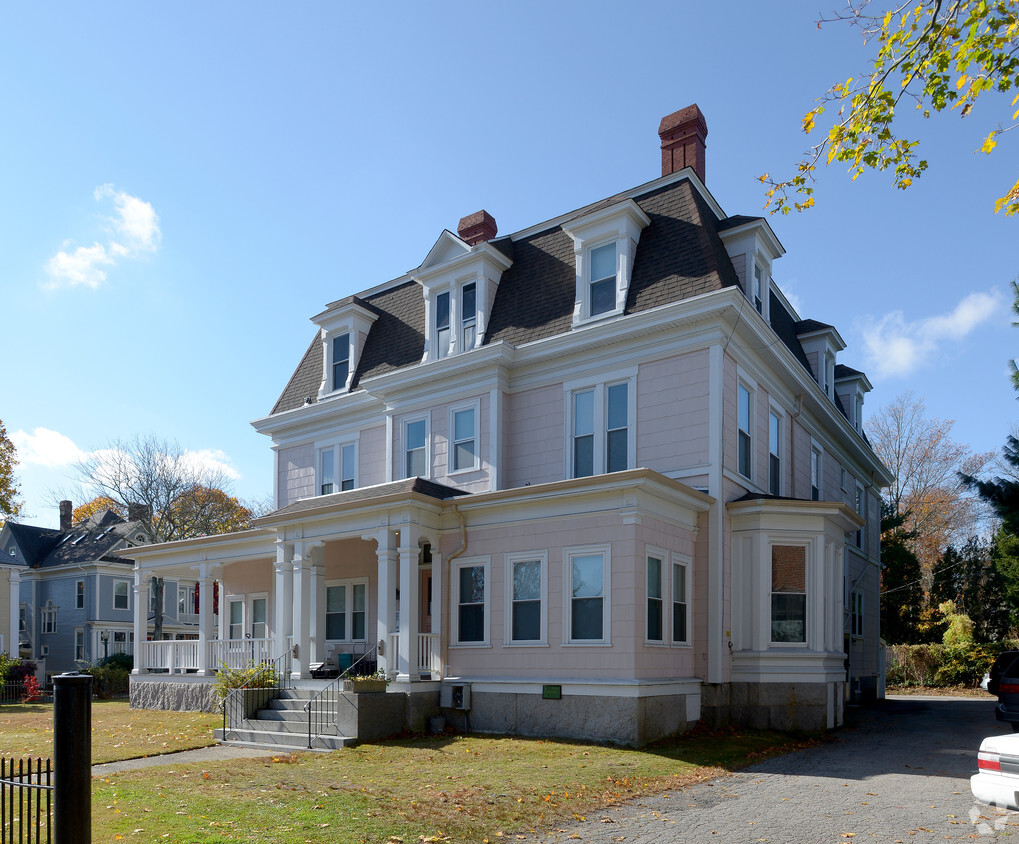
(925, 462)
(162, 485)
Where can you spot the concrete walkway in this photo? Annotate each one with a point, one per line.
(899, 773)
(215, 753)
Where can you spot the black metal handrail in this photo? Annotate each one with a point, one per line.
(323, 708)
(273, 677)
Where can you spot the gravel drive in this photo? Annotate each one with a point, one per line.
(898, 773)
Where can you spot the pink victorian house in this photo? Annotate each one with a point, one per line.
(595, 478)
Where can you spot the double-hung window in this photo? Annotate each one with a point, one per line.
(655, 600)
(602, 296)
(48, 618)
(185, 600)
(744, 414)
(121, 590)
(758, 293)
(416, 448)
(442, 337)
(815, 473)
(79, 594)
(79, 645)
(527, 588)
(468, 316)
(680, 591)
(788, 593)
(347, 611)
(337, 476)
(774, 446)
(341, 361)
(588, 575)
(470, 586)
(327, 471)
(856, 613)
(236, 616)
(600, 429)
(463, 449)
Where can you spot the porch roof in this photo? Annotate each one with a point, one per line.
(396, 489)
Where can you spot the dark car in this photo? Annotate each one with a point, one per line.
(1003, 681)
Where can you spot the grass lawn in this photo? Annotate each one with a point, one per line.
(118, 732)
(449, 788)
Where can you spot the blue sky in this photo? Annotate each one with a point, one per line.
(186, 184)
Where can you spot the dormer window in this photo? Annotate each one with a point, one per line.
(344, 327)
(758, 295)
(605, 244)
(458, 282)
(442, 324)
(341, 361)
(603, 279)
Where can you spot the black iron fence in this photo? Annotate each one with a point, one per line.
(11, 692)
(26, 801)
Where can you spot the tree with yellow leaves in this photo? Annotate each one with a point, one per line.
(932, 53)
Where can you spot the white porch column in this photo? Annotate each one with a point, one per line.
(283, 601)
(386, 556)
(204, 620)
(303, 575)
(409, 598)
(317, 601)
(141, 612)
(438, 625)
(14, 632)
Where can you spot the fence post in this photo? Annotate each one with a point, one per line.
(72, 758)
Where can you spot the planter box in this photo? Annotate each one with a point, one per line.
(364, 686)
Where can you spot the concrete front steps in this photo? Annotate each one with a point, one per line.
(283, 724)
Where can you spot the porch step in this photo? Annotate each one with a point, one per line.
(272, 740)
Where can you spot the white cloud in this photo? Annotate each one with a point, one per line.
(212, 460)
(46, 448)
(135, 230)
(897, 347)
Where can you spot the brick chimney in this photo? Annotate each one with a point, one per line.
(477, 227)
(683, 133)
(66, 509)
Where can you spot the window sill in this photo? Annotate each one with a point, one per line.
(684, 645)
(592, 644)
(459, 646)
(452, 473)
(597, 318)
(528, 644)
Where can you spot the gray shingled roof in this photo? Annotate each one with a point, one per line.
(805, 326)
(44, 547)
(679, 255)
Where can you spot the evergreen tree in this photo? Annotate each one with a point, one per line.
(901, 591)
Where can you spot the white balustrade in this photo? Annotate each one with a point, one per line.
(239, 653)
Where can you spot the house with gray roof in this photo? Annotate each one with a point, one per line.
(71, 596)
(595, 478)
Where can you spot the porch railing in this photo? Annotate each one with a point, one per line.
(180, 655)
(171, 654)
(427, 653)
(237, 653)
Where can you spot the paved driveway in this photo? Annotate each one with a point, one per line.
(899, 773)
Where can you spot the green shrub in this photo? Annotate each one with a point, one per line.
(123, 661)
(941, 665)
(253, 676)
(108, 681)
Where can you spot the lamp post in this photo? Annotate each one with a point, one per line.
(105, 636)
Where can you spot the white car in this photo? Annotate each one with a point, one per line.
(997, 779)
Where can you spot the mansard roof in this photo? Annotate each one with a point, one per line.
(679, 255)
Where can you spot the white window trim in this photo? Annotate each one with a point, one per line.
(815, 446)
(663, 557)
(778, 539)
(582, 551)
(686, 561)
(249, 614)
(337, 445)
(113, 602)
(48, 617)
(410, 420)
(451, 433)
(856, 596)
(621, 223)
(226, 602)
(751, 389)
(348, 622)
(600, 387)
(774, 409)
(79, 597)
(454, 603)
(79, 631)
(860, 506)
(330, 337)
(458, 346)
(523, 557)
